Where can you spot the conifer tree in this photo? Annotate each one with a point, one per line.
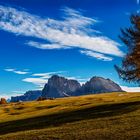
(130, 68)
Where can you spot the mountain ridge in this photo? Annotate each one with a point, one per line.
(28, 96)
(70, 87)
(58, 87)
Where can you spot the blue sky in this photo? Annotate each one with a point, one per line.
(73, 38)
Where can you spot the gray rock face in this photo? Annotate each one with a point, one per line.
(60, 87)
(28, 96)
(100, 85)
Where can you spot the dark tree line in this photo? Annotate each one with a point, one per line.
(130, 68)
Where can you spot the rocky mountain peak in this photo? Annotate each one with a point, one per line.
(58, 86)
(100, 85)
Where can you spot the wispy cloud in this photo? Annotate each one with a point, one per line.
(5, 95)
(39, 82)
(99, 56)
(131, 89)
(47, 74)
(8, 96)
(17, 71)
(74, 30)
(18, 92)
(40, 79)
(46, 46)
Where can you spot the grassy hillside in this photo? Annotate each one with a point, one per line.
(91, 117)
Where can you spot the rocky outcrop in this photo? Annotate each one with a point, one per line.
(60, 87)
(28, 96)
(100, 85)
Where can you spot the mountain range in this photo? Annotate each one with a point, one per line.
(28, 96)
(58, 86)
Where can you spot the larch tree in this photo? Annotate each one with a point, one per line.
(130, 68)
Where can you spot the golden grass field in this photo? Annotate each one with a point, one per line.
(92, 117)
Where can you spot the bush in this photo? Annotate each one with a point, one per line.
(3, 101)
(41, 99)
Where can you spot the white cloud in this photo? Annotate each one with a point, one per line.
(9, 70)
(18, 92)
(20, 72)
(131, 89)
(17, 71)
(42, 75)
(8, 96)
(45, 46)
(47, 74)
(97, 55)
(40, 79)
(40, 82)
(76, 20)
(77, 78)
(74, 30)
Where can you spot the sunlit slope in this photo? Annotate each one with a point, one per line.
(102, 116)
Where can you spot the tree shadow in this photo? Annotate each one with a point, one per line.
(58, 119)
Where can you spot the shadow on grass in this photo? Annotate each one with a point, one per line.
(46, 107)
(40, 122)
